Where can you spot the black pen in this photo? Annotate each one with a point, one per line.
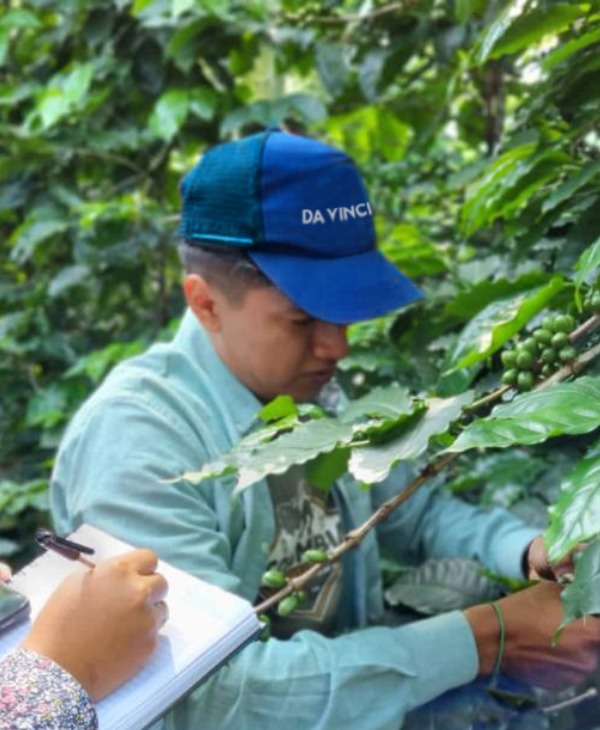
(67, 548)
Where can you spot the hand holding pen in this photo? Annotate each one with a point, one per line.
(67, 548)
(101, 625)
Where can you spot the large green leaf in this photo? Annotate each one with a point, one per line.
(565, 50)
(468, 303)
(531, 418)
(297, 447)
(387, 404)
(588, 266)
(576, 515)
(169, 113)
(65, 93)
(508, 183)
(513, 32)
(372, 464)
(582, 597)
(567, 189)
(497, 323)
(254, 458)
(438, 586)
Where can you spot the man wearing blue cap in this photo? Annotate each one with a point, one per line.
(278, 244)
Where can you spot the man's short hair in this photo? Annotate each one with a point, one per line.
(229, 269)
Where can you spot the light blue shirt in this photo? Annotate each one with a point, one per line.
(177, 406)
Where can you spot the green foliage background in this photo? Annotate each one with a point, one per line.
(476, 125)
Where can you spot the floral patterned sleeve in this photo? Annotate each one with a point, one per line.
(37, 694)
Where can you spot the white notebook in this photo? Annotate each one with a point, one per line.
(206, 626)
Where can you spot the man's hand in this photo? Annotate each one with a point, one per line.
(539, 567)
(530, 617)
(102, 625)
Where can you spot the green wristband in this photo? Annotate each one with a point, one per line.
(500, 656)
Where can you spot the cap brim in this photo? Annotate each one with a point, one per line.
(339, 290)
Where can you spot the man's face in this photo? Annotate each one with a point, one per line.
(274, 348)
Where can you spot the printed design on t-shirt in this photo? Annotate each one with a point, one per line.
(304, 521)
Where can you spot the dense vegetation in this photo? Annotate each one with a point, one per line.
(476, 125)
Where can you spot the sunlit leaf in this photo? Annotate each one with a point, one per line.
(169, 113)
(588, 265)
(572, 185)
(372, 464)
(508, 183)
(576, 515)
(386, 403)
(497, 323)
(532, 418)
(68, 277)
(280, 407)
(512, 32)
(297, 447)
(565, 50)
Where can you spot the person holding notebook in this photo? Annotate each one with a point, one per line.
(96, 630)
(279, 251)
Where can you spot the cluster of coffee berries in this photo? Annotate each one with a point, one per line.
(539, 355)
(591, 301)
(276, 580)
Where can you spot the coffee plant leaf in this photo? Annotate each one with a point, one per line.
(372, 464)
(532, 418)
(436, 586)
(576, 515)
(582, 596)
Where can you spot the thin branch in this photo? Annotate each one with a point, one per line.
(588, 326)
(487, 399)
(571, 368)
(353, 538)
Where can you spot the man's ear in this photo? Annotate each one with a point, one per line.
(202, 298)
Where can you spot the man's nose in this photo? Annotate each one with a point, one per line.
(330, 341)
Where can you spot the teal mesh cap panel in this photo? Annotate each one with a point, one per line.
(221, 199)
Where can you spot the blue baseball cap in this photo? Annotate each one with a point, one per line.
(300, 210)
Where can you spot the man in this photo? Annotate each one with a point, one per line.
(279, 249)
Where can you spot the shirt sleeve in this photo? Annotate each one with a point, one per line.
(38, 694)
(434, 525)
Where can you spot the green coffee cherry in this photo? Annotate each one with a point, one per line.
(548, 323)
(530, 345)
(525, 380)
(524, 360)
(549, 355)
(265, 634)
(563, 323)
(315, 556)
(509, 358)
(560, 339)
(273, 579)
(301, 595)
(567, 354)
(288, 605)
(509, 377)
(543, 336)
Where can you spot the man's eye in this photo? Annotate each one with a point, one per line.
(303, 322)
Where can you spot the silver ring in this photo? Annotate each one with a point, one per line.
(163, 611)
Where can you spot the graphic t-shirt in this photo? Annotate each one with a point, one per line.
(305, 518)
